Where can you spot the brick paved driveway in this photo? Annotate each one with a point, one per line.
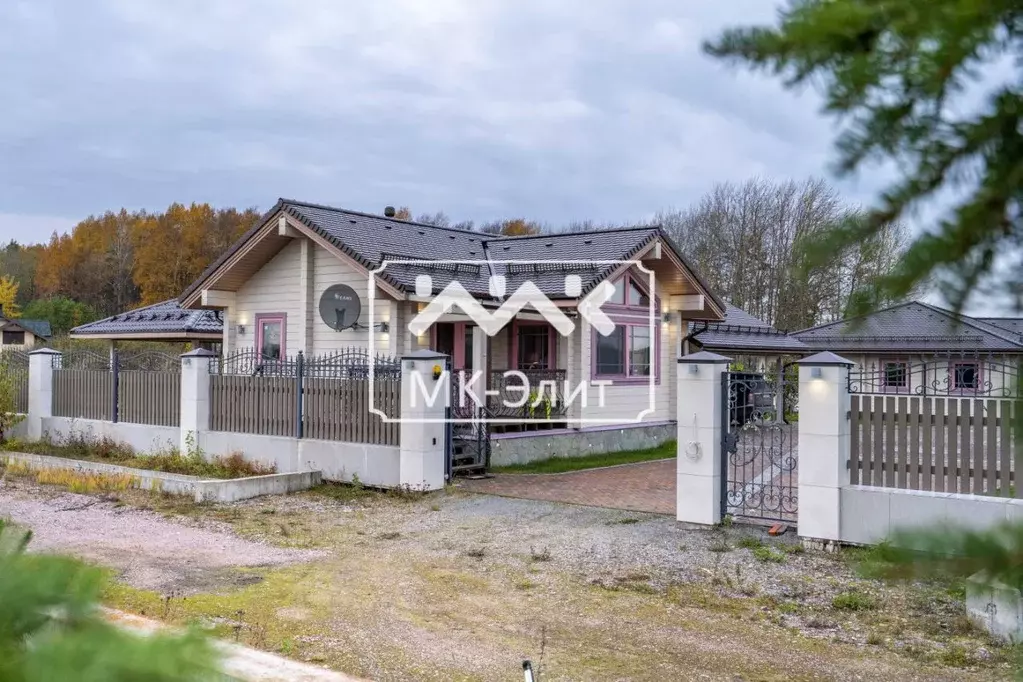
(644, 487)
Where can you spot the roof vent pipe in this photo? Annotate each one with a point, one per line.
(389, 211)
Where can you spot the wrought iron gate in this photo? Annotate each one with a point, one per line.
(759, 446)
(468, 435)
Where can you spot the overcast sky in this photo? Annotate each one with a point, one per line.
(556, 111)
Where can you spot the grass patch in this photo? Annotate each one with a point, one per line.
(768, 555)
(853, 601)
(750, 543)
(558, 465)
(85, 448)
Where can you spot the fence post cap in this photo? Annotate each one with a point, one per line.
(825, 358)
(704, 357)
(45, 351)
(200, 353)
(423, 355)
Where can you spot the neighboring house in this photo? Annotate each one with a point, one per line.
(166, 321)
(919, 348)
(23, 334)
(749, 341)
(269, 287)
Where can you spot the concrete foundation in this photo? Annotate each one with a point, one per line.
(522, 448)
(143, 438)
(996, 607)
(199, 489)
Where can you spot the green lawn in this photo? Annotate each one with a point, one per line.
(558, 465)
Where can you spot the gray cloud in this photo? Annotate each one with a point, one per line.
(481, 108)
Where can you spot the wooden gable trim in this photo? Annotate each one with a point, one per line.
(320, 240)
(279, 224)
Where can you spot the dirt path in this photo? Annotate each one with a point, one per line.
(149, 551)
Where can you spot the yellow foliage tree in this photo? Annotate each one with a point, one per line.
(9, 297)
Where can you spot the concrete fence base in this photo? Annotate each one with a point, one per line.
(199, 489)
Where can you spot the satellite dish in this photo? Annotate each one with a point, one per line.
(340, 307)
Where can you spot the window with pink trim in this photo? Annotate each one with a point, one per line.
(271, 332)
(964, 376)
(628, 354)
(895, 376)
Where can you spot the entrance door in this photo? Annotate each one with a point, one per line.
(455, 340)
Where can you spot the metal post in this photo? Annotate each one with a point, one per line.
(299, 397)
(779, 398)
(115, 370)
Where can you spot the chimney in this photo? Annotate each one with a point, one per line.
(389, 211)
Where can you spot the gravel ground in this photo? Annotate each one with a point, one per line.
(149, 551)
(462, 586)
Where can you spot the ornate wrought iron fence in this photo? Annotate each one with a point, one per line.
(14, 365)
(959, 375)
(537, 396)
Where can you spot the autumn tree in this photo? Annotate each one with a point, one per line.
(173, 248)
(19, 263)
(9, 297)
(514, 227)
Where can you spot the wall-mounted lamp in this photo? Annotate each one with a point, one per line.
(241, 330)
(666, 318)
(437, 372)
(694, 369)
(816, 373)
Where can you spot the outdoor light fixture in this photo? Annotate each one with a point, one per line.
(694, 368)
(241, 330)
(816, 373)
(437, 371)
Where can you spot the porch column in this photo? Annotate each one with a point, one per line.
(480, 347)
(40, 390)
(195, 398)
(700, 416)
(423, 439)
(823, 444)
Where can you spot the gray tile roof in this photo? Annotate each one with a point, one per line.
(372, 239)
(913, 327)
(741, 332)
(40, 328)
(167, 318)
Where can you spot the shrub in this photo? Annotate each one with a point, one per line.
(50, 628)
(768, 555)
(750, 543)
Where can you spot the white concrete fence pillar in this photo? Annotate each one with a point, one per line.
(195, 397)
(425, 392)
(40, 390)
(699, 437)
(823, 444)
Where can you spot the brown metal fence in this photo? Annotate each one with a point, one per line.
(944, 444)
(83, 386)
(14, 365)
(325, 397)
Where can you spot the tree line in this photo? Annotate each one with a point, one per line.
(749, 241)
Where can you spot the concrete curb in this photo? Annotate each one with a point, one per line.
(199, 489)
(239, 662)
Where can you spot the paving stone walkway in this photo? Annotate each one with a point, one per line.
(643, 487)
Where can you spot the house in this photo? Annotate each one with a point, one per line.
(22, 334)
(922, 349)
(166, 321)
(324, 280)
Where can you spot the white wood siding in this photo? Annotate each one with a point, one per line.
(283, 285)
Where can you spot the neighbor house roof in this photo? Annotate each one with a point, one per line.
(166, 320)
(741, 332)
(40, 328)
(371, 240)
(915, 327)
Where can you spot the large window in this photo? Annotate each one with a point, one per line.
(14, 338)
(965, 376)
(627, 352)
(895, 376)
(534, 346)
